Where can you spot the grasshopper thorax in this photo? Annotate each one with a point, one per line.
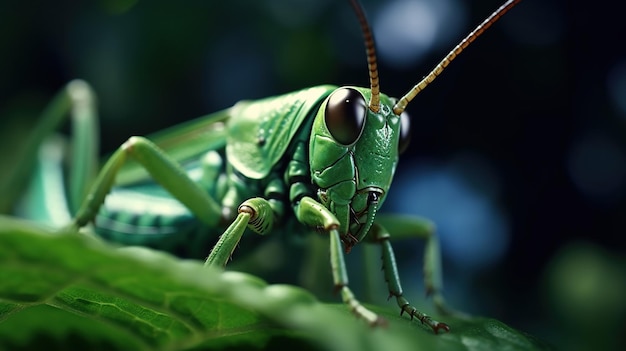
(353, 154)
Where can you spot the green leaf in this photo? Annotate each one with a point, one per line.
(60, 291)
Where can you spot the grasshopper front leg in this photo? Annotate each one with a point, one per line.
(312, 213)
(256, 213)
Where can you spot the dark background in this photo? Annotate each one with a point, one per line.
(530, 120)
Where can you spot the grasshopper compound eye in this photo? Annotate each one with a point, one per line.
(345, 115)
(405, 132)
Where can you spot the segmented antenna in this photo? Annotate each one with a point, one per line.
(400, 106)
(372, 65)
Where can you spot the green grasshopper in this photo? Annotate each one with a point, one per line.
(320, 158)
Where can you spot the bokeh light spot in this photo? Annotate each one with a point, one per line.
(616, 86)
(406, 30)
(474, 232)
(597, 166)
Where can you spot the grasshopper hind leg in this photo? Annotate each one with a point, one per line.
(47, 187)
(164, 170)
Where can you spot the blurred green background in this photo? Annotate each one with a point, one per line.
(518, 150)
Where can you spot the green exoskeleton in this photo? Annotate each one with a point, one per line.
(321, 158)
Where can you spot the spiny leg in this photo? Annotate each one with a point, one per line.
(163, 170)
(393, 281)
(413, 227)
(312, 213)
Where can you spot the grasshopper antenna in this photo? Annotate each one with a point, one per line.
(400, 106)
(370, 48)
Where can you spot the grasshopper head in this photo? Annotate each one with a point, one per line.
(353, 154)
(358, 134)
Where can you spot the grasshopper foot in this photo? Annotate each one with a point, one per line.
(424, 318)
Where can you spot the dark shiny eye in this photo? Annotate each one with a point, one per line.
(405, 132)
(345, 115)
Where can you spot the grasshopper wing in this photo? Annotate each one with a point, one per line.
(259, 132)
